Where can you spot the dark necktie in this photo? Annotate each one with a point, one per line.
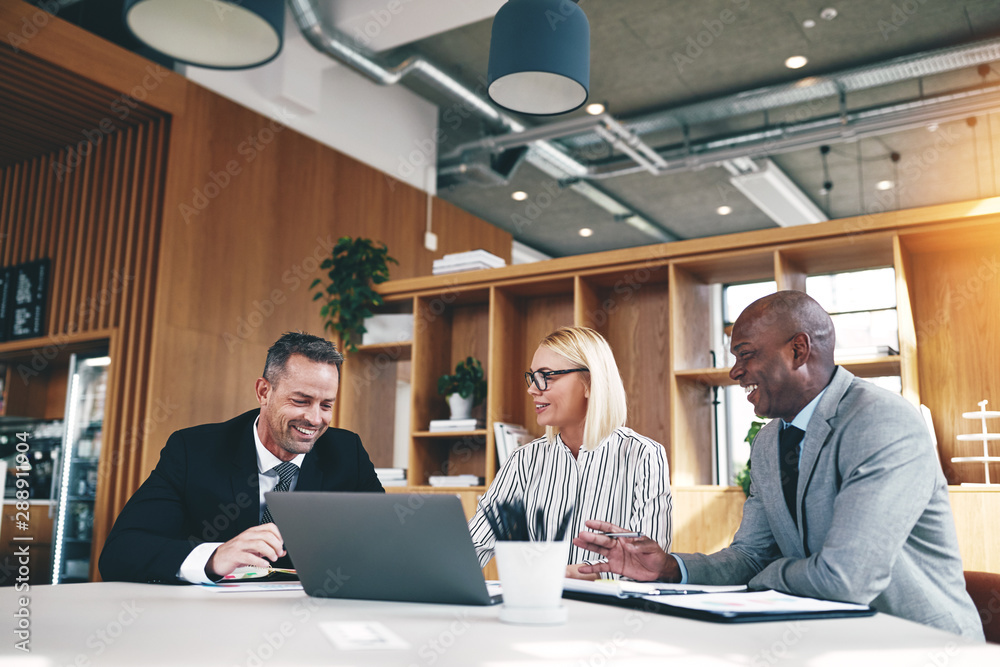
(286, 472)
(789, 441)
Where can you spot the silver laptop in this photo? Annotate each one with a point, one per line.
(406, 547)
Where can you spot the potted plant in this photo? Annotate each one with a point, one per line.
(355, 265)
(464, 389)
(743, 476)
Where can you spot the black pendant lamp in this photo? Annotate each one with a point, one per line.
(209, 33)
(540, 57)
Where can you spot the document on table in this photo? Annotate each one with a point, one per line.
(721, 604)
(626, 589)
(252, 586)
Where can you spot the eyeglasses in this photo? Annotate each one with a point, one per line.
(541, 378)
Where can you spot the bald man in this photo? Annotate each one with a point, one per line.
(855, 510)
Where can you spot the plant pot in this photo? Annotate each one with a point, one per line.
(460, 407)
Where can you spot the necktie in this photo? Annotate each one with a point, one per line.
(789, 441)
(286, 472)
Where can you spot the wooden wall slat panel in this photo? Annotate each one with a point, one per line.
(99, 223)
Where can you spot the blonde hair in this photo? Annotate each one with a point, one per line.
(606, 407)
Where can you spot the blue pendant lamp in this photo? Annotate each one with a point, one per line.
(540, 57)
(209, 33)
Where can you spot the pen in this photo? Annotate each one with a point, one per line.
(622, 534)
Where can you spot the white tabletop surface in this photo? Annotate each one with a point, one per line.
(139, 624)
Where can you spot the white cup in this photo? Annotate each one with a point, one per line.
(531, 575)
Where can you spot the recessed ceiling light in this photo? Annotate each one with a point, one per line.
(828, 14)
(795, 62)
(520, 195)
(884, 185)
(586, 231)
(595, 109)
(808, 23)
(724, 210)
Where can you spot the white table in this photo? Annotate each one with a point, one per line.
(138, 624)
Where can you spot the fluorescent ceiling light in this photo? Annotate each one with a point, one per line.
(777, 196)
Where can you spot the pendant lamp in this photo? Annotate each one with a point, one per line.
(539, 57)
(209, 33)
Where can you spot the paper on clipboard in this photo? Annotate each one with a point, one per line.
(755, 603)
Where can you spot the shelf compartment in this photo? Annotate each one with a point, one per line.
(447, 454)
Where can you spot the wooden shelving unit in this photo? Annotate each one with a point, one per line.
(653, 305)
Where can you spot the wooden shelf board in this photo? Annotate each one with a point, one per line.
(448, 434)
(872, 367)
(400, 351)
(866, 368)
(712, 377)
(427, 488)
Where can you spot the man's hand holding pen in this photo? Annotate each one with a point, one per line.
(627, 553)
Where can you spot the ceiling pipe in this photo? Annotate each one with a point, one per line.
(835, 128)
(544, 155)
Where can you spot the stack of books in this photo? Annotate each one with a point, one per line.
(467, 261)
(391, 476)
(508, 438)
(444, 425)
(455, 480)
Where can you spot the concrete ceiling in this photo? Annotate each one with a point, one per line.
(653, 55)
(659, 57)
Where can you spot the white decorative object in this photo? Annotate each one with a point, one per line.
(531, 575)
(985, 437)
(460, 406)
(388, 328)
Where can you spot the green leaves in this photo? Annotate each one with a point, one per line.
(353, 267)
(468, 380)
(743, 476)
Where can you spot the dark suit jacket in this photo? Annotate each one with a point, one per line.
(205, 489)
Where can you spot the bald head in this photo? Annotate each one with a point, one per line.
(789, 312)
(783, 344)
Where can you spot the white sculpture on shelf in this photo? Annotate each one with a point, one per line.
(985, 437)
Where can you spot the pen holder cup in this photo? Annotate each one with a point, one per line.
(531, 575)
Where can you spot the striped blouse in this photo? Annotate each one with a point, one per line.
(624, 481)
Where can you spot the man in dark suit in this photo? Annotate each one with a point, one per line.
(201, 512)
(847, 497)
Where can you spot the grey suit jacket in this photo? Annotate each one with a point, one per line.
(875, 525)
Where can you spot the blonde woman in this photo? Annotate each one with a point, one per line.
(588, 462)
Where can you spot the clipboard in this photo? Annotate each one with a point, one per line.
(730, 607)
